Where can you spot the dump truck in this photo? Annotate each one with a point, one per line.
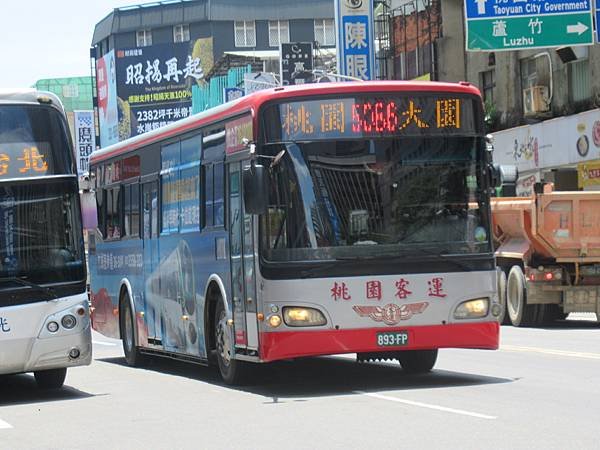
(548, 255)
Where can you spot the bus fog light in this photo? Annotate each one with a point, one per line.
(496, 310)
(69, 321)
(52, 327)
(274, 320)
(472, 309)
(303, 317)
(74, 353)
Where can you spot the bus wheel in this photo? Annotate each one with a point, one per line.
(503, 319)
(50, 379)
(417, 361)
(233, 371)
(132, 354)
(521, 314)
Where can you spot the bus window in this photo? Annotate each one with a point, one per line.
(113, 219)
(208, 195)
(218, 194)
(132, 213)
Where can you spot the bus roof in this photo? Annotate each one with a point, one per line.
(254, 101)
(29, 95)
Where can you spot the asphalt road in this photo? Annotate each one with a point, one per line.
(541, 390)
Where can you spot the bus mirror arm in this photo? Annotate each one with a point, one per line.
(256, 189)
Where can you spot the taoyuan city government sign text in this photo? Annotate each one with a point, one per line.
(494, 25)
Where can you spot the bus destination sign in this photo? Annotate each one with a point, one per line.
(372, 117)
(23, 160)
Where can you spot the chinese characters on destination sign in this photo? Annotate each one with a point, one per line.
(320, 119)
(22, 160)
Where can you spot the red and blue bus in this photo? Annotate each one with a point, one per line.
(300, 221)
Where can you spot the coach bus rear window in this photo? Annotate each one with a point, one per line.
(33, 142)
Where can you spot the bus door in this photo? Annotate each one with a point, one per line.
(243, 277)
(151, 256)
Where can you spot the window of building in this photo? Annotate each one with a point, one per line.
(529, 76)
(325, 31)
(181, 33)
(143, 38)
(487, 82)
(579, 80)
(245, 33)
(279, 32)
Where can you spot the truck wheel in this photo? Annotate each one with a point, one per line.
(417, 361)
(503, 319)
(521, 314)
(132, 354)
(50, 379)
(233, 372)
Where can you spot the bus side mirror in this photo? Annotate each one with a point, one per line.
(89, 215)
(256, 189)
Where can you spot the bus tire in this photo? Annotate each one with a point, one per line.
(503, 318)
(132, 354)
(521, 314)
(50, 379)
(417, 361)
(233, 372)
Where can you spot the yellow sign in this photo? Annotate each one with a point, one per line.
(588, 174)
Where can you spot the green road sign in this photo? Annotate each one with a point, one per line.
(514, 33)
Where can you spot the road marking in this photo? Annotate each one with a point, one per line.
(4, 425)
(111, 344)
(549, 351)
(427, 405)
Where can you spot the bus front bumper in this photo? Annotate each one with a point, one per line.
(293, 344)
(31, 354)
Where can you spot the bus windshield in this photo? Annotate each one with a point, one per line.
(404, 196)
(40, 232)
(33, 142)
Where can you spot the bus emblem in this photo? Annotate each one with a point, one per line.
(391, 313)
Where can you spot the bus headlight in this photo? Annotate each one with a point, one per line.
(294, 316)
(472, 309)
(52, 327)
(69, 321)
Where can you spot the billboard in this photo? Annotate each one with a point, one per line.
(108, 119)
(85, 136)
(355, 43)
(154, 83)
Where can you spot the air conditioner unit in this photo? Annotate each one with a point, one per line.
(535, 100)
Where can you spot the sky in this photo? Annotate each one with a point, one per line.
(42, 39)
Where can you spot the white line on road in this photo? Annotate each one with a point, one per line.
(549, 351)
(111, 344)
(4, 425)
(426, 405)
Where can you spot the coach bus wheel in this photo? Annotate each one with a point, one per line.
(132, 354)
(417, 361)
(50, 379)
(232, 371)
(521, 314)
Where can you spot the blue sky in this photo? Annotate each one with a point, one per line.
(48, 38)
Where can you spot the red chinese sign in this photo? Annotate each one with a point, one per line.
(374, 290)
(435, 288)
(340, 291)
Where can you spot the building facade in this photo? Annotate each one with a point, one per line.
(148, 57)
(541, 105)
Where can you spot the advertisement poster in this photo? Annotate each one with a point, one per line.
(154, 83)
(106, 79)
(84, 138)
(550, 144)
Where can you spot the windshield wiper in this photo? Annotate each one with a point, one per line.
(37, 287)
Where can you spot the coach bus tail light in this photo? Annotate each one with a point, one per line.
(303, 317)
(472, 309)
